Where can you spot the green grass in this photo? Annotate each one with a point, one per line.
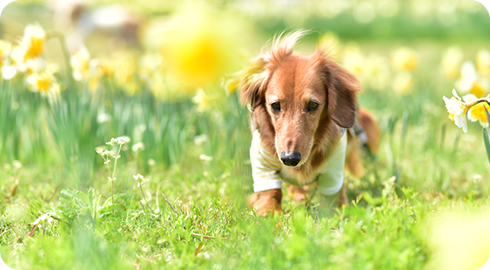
(426, 167)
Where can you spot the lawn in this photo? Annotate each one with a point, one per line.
(422, 203)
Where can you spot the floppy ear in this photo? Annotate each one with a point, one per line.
(253, 83)
(342, 87)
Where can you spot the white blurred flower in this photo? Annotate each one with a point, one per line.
(200, 139)
(138, 177)
(138, 147)
(471, 82)
(203, 157)
(451, 61)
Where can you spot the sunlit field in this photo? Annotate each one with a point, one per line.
(129, 148)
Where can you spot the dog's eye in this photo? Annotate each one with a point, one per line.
(276, 106)
(312, 106)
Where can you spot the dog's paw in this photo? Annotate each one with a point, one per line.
(298, 194)
(267, 201)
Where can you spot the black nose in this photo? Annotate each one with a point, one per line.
(291, 159)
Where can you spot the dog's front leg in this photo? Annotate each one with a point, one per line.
(266, 201)
(336, 200)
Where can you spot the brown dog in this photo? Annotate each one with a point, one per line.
(301, 106)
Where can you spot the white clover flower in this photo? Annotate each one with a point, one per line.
(138, 147)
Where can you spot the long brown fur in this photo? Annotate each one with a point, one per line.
(279, 74)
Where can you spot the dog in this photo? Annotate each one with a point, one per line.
(303, 109)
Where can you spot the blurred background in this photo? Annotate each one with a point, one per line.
(77, 73)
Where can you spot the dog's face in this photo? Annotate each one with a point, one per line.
(295, 99)
(299, 101)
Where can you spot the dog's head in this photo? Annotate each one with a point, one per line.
(295, 99)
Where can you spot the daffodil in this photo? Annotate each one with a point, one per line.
(202, 47)
(353, 60)
(80, 64)
(457, 111)
(403, 82)
(33, 41)
(377, 73)
(483, 62)
(471, 82)
(477, 112)
(404, 59)
(44, 83)
(4, 51)
(331, 42)
(451, 61)
(201, 100)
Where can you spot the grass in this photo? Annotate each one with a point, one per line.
(190, 212)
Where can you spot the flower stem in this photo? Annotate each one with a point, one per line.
(477, 101)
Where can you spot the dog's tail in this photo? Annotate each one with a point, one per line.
(369, 132)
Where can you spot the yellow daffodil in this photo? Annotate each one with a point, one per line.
(201, 47)
(471, 82)
(457, 111)
(4, 51)
(483, 62)
(404, 59)
(403, 82)
(33, 41)
(353, 60)
(201, 100)
(477, 112)
(377, 73)
(331, 42)
(451, 61)
(460, 240)
(44, 83)
(80, 64)
(125, 67)
(148, 65)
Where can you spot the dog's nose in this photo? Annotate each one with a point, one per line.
(291, 159)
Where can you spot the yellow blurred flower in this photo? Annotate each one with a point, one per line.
(483, 62)
(32, 43)
(377, 73)
(149, 64)
(451, 62)
(44, 83)
(456, 110)
(477, 112)
(80, 64)
(4, 51)
(124, 72)
(471, 82)
(403, 82)
(353, 60)
(404, 59)
(331, 42)
(460, 241)
(201, 100)
(201, 47)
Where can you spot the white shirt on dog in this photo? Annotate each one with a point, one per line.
(268, 173)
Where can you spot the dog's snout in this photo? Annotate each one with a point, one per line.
(291, 159)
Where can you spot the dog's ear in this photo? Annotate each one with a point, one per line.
(254, 81)
(342, 88)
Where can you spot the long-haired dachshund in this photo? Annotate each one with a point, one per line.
(303, 113)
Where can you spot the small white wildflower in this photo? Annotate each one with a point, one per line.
(100, 149)
(103, 118)
(200, 139)
(123, 140)
(107, 162)
(138, 147)
(205, 158)
(151, 162)
(41, 218)
(16, 164)
(138, 177)
(111, 179)
(113, 141)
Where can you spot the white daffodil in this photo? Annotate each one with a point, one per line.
(457, 111)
